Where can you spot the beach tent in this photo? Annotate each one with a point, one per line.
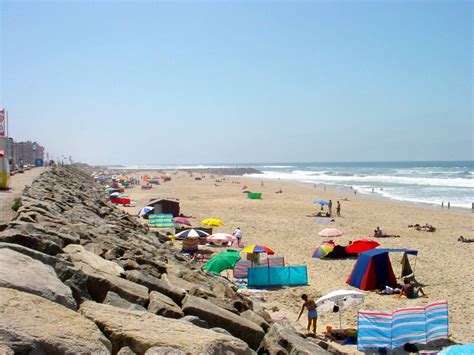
(4, 171)
(373, 269)
(165, 206)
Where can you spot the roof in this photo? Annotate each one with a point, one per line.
(157, 200)
(374, 252)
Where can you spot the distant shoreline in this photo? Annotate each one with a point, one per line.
(238, 171)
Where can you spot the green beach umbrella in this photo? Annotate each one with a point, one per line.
(222, 261)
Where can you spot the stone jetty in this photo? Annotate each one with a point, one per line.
(78, 275)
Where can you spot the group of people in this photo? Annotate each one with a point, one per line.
(408, 289)
(330, 204)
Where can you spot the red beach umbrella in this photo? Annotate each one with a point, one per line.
(361, 245)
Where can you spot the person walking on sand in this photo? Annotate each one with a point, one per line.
(449, 205)
(338, 209)
(238, 234)
(330, 208)
(442, 204)
(310, 305)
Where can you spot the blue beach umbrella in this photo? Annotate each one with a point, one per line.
(322, 202)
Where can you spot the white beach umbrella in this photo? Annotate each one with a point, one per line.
(330, 232)
(343, 299)
(191, 233)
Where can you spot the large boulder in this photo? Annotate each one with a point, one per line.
(20, 272)
(215, 316)
(98, 284)
(165, 287)
(164, 306)
(88, 261)
(254, 317)
(282, 338)
(33, 325)
(143, 330)
(151, 282)
(115, 300)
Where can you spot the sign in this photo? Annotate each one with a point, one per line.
(2, 123)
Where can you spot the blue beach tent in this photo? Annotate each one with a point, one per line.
(373, 268)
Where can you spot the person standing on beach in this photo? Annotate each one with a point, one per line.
(330, 207)
(449, 205)
(442, 204)
(310, 305)
(338, 209)
(238, 234)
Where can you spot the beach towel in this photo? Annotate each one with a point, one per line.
(324, 221)
(391, 330)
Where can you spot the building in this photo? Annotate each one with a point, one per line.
(165, 205)
(28, 152)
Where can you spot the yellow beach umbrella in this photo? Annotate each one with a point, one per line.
(212, 222)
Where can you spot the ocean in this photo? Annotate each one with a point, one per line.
(430, 182)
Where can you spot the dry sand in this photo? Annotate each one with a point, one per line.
(444, 265)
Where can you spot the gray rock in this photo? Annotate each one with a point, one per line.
(99, 284)
(215, 316)
(220, 330)
(31, 241)
(126, 351)
(31, 324)
(20, 272)
(282, 338)
(151, 282)
(115, 300)
(196, 321)
(88, 261)
(144, 330)
(254, 317)
(164, 306)
(162, 350)
(165, 287)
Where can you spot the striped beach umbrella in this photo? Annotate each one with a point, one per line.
(257, 249)
(323, 249)
(191, 233)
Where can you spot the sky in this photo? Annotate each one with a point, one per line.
(187, 82)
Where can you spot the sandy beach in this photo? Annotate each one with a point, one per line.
(443, 266)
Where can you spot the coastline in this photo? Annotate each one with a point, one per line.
(347, 192)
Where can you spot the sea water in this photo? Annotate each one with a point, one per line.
(431, 182)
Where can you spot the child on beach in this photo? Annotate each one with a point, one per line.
(310, 305)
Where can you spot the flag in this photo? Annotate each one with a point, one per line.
(2, 123)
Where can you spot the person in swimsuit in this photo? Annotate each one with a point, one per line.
(310, 305)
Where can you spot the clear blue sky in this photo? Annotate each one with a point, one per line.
(255, 81)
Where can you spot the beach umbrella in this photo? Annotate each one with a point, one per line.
(257, 249)
(145, 211)
(212, 222)
(245, 187)
(321, 202)
(323, 249)
(221, 238)
(182, 220)
(191, 233)
(361, 245)
(330, 232)
(115, 194)
(338, 301)
(222, 261)
(459, 349)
